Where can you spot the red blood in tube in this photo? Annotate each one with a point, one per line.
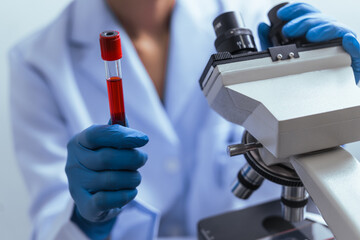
(116, 100)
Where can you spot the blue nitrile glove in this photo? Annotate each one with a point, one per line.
(263, 31)
(102, 172)
(304, 20)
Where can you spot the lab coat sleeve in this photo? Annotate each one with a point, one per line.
(40, 138)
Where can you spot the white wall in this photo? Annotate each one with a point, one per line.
(17, 19)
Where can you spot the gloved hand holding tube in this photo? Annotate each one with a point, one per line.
(305, 20)
(102, 171)
(103, 160)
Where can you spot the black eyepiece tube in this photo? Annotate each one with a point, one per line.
(232, 36)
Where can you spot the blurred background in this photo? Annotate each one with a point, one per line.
(18, 18)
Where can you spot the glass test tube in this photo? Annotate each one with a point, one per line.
(111, 54)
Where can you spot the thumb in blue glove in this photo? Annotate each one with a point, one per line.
(102, 172)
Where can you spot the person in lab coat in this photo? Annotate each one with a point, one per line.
(58, 93)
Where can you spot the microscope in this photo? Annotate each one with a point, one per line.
(299, 104)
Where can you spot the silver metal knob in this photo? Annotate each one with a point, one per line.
(238, 149)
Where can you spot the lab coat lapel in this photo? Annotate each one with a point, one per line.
(191, 43)
(141, 99)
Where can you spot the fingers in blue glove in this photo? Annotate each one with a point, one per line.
(108, 158)
(295, 10)
(111, 181)
(304, 20)
(116, 136)
(327, 31)
(103, 201)
(300, 26)
(97, 206)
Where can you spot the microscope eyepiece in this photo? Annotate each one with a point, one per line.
(226, 21)
(232, 36)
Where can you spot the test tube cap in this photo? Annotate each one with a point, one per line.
(110, 45)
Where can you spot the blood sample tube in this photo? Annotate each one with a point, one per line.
(111, 54)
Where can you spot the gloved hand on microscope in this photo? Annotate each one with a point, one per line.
(305, 20)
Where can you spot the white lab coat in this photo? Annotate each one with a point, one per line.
(58, 89)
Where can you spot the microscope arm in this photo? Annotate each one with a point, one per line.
(332, 179)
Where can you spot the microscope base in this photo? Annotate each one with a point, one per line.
(260, 222)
